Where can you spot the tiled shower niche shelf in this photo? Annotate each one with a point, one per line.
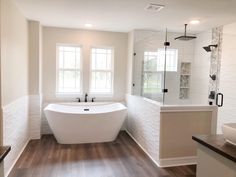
(185, 73)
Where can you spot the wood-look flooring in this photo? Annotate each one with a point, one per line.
(121, 158)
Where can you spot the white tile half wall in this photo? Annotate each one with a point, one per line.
(35, 116)
(143, 124)
(15, 129)
(21, 122)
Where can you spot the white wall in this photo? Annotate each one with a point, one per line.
(200, 69)
(15, 60)
(227, 113)
(14, 80)
(35, 60)
(52, 36)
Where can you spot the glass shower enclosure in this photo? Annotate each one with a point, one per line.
(170, 71)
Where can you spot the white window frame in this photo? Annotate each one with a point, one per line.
(102, 94)
(176, 57)
(68, 94)
(151, 72)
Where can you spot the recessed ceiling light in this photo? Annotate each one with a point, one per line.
(194, 22)
(154, 7)
(88, 25)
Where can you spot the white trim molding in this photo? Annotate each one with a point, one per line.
(168, 162)
(178, 161)
(143, 149)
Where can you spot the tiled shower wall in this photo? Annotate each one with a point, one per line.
(199, 84)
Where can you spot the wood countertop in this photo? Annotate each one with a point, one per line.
(218, 144)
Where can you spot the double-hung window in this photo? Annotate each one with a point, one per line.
(153, 67)
(68, 69)
(101, 75)
(152, 77)
(171, 60)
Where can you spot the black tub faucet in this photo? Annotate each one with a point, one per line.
(86, 97)
(93, 99)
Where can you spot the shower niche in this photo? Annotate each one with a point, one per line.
(185, 74)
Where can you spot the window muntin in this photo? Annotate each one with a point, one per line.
(152, 77)
(171, 60)
(101, 79)
(153, 67)
(68, 69)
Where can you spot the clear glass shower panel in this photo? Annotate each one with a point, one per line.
(149, 61)
(187, 70)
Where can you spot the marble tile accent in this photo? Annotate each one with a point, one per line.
(183, 93)
(184, 81)
(185, 68)
(217, 38)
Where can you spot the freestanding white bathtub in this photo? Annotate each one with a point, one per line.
(76, 123)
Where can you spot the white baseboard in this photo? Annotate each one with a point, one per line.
(150, 157)
(168, 162)
(6, 174)
(179, 161)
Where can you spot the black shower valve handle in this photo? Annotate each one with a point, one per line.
(213, 77)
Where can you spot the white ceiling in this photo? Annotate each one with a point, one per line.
(126, 15)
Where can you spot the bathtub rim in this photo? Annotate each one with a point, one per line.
(123, 108)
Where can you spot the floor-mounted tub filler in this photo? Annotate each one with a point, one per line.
(76, 123)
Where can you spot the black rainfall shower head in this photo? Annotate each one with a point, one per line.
(185, 37)
(209, 48)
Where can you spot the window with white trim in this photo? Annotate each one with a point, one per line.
(153, 67)
(152, 77)
(68, 69)
(101, 76)
(171, 60)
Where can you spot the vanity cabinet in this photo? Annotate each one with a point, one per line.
(216, 157)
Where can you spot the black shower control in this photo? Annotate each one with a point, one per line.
(212, 95)
(213, 77)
